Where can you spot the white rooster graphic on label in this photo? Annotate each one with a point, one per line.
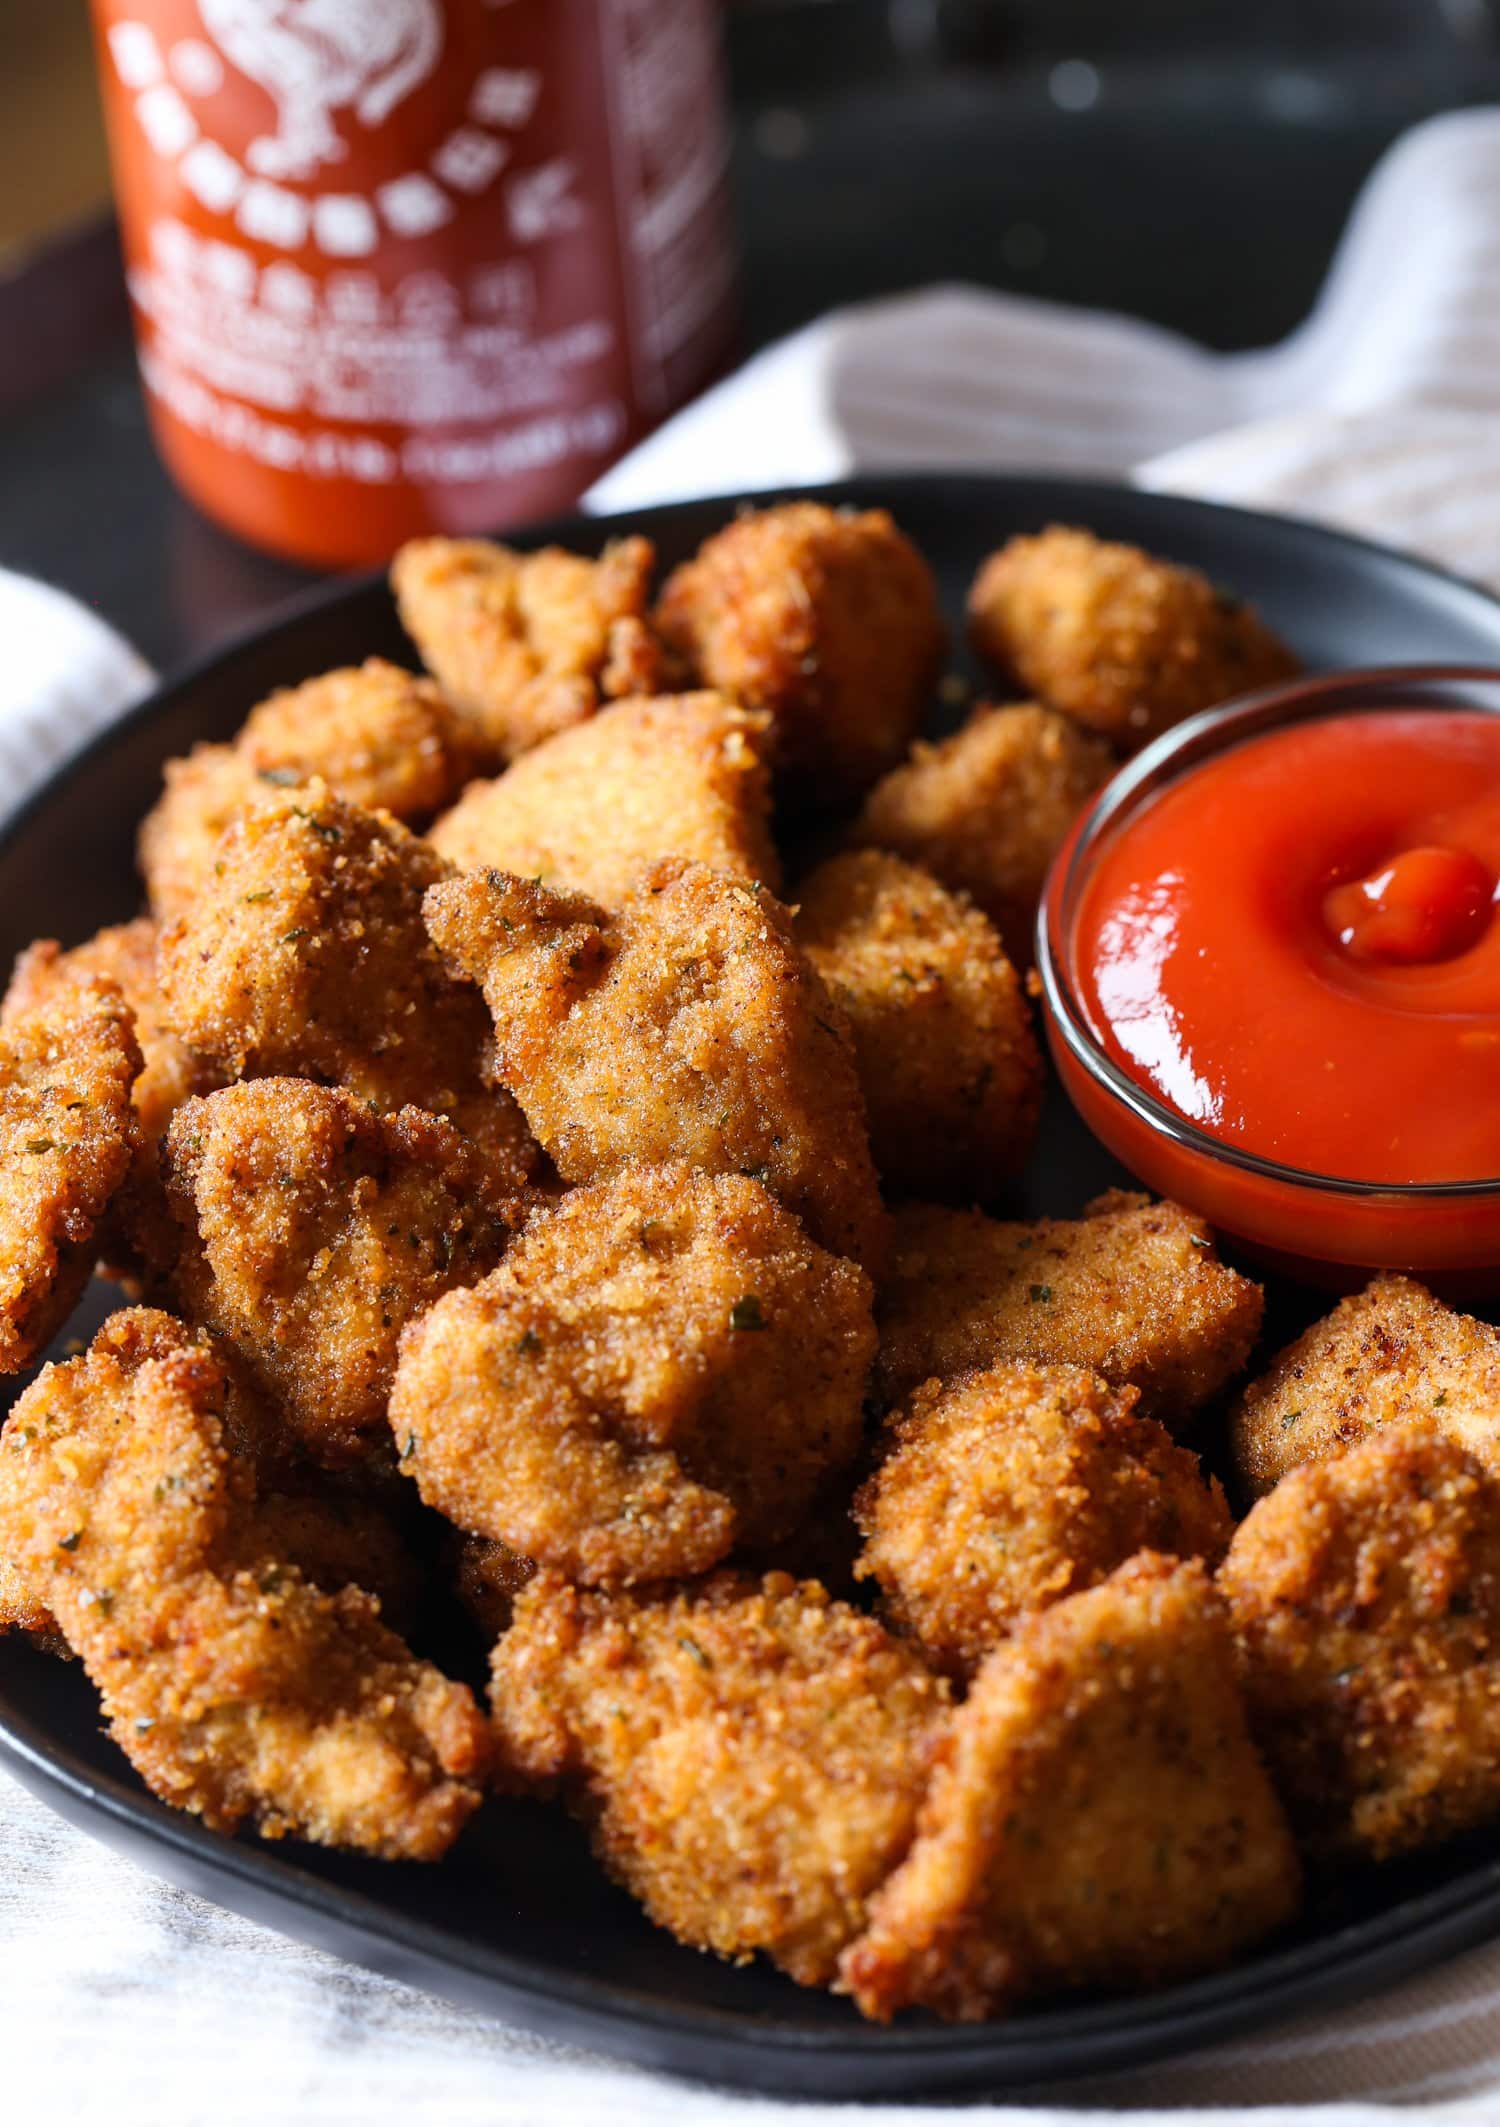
(315, 57)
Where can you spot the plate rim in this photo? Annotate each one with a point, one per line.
(1407, 1937)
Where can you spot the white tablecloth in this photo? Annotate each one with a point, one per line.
(123, 2001)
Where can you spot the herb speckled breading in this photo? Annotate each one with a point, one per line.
(1365, 1595)
(748, 1756)
(948, 1062)
(663, 1368)
(828, 619)
(1133, 1290)
(313, 1231)
(236, 1689)
(68, 1141)
(523, 645)
(1098, 1816)
(591, 810)
(687, 1026)
(1008, 1489)
(1127, 643)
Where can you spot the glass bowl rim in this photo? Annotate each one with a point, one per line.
(1311, 698)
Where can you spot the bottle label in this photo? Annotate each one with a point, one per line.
(431, 241)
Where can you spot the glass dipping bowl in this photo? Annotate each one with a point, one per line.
(1321, 1228)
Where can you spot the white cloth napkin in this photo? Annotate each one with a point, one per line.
(1381, 414)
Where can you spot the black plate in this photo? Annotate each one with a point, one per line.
(518, 1921)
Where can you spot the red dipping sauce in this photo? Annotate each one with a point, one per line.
(1296, 946)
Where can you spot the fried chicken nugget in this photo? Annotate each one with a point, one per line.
(1123, 641)
(688, 1026)
(748, 1756)
(1385, 1355)
(337, 1531)
(826, 618)
(676, 775)
(663, 1367)
(1098, 1816)
(378, 736)
(1133, 1290)
(235, 1688)
(948, 1062)
(523, 645)
(1005, 1490)
(1365, 1594)
(313, 1230)
(986, 810)
(68, 1140)
(307, 957)
(381, 737)
(177, 847)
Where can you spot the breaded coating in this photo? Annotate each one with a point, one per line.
(826, 618)
(68, 1141)
(313, 1231)
(688, 1027)
(1098, 1816)
(1384, 1355)
(523, 645)
(306, 956)
(749, 1757)
(948, 1062)
(124, 955)
(177, 847)
(237, 1690)
(136, 1239)
(337, 1531)
(486, 1577)
(1125, 642)
(588, 812)
(1133, 1290)
(986, 810)
(1365, 1595)
(377, 735)
(1005, 1490)
(663, 1367)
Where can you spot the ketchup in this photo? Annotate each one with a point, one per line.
(405, 266)
(1296, 946)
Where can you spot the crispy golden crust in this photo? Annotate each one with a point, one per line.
(178, 845)
(1005, 1490)
(125, 955)
(337, 1531)
(306, 956)
(524, 645)
(749, 1757)
(486, 1577)
(136, 1240)
(1098, 1816)
(1133, 1290)
(68, 1141)
(1365, 1594)
(663, 1367)
(378, 736)
(986, 810)
(1384, 1355)
(826, 618)
(948, 1062)
(677, 775)
(1124, 642)
(686, 1027)
(236, 1689)
(313, 1231)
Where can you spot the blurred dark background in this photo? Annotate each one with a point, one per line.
(1190, 163)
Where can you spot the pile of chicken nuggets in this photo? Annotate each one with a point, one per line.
(539, 1192)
